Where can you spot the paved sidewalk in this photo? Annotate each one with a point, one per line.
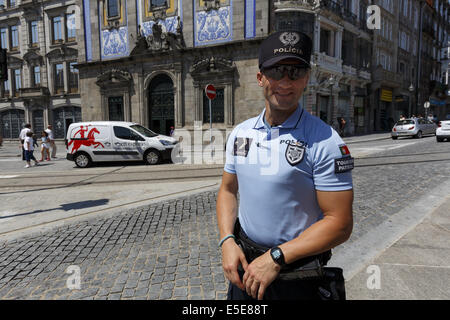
(416, 267)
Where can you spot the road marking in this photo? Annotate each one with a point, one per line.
(8, 177)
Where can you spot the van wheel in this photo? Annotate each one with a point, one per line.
(152, 157)
(82, 160)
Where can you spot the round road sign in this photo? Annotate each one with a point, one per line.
(426, 105)
(210, 91)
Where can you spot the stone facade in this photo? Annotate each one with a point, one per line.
(42, 50)
(179, 46)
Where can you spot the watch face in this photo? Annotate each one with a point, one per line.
(276, 254)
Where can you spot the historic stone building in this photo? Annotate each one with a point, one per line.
(42, 51)
(149, 61)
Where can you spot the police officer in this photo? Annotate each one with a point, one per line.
(293, 173)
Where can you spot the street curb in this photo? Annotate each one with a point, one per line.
(370, 246)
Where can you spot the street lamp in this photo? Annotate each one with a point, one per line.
(411, 90)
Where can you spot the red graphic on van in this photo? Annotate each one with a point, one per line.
(82, 141)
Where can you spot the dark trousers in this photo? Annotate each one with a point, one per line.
(330, 287)
(29, 156)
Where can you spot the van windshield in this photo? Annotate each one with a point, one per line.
(143, 130)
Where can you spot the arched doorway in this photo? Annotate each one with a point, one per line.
(161, 104)
(12, 122)
(62, 118)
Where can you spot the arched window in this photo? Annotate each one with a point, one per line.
(12, 122)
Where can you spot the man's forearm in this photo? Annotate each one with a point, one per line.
(226, 212)
(319, 237)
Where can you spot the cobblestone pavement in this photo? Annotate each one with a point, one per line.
(169, 250)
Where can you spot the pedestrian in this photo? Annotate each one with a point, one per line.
(45, 146)
(430, 117)
(342, 127)
(22, 136)
(35, 144)
(402, 117)
(51, 139)
(295, 188)
(29, 148)
(172, 130)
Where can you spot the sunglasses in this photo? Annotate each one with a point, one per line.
(277, 72)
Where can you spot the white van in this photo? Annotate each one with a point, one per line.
(94, 141)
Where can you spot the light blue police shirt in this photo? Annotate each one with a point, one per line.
(279, 170)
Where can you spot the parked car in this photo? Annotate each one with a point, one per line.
(89, 142)
(413, 127)
(443, 131)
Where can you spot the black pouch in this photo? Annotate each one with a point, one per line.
(331, 284)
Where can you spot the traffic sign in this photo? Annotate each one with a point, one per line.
(426, 105)
(210, 91)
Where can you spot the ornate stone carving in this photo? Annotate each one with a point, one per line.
(212, 68)
(114, 78)
(62, 53)
(211, 5)
(159, 40)
(212, 64)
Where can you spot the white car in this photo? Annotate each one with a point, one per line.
(443, 131)
(413, 127)
(98, 141)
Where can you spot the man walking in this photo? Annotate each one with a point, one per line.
(51, 139)
(22, 137)
(295, 203)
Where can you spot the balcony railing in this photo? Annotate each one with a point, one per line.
(332, 6)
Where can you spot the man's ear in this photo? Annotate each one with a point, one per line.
(259, 77)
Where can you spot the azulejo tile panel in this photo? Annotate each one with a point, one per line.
(115, 42)
(214, 26)
(168, 25)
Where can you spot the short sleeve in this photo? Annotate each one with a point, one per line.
(325, 174)
(229, 157)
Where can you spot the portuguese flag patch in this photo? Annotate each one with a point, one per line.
(344, 150)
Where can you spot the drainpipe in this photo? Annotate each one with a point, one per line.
(419, 56)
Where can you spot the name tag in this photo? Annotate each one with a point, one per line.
(241, 146)
(344, 164)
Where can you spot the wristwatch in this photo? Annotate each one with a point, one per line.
(277, 256)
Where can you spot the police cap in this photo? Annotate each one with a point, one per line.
(283, 45)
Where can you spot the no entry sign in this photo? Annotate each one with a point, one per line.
(210, 91)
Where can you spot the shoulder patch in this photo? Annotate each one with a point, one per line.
(345, 164)
(344, 150)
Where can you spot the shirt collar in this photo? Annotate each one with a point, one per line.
(290, 123)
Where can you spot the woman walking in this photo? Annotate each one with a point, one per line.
(45, 146)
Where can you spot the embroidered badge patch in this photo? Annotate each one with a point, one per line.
(344, 150)
(241, 146)
(344, 164)
(295, 153)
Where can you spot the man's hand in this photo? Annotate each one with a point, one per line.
(260, 274)
(232, 256)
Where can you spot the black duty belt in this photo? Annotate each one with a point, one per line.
(308, 267)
